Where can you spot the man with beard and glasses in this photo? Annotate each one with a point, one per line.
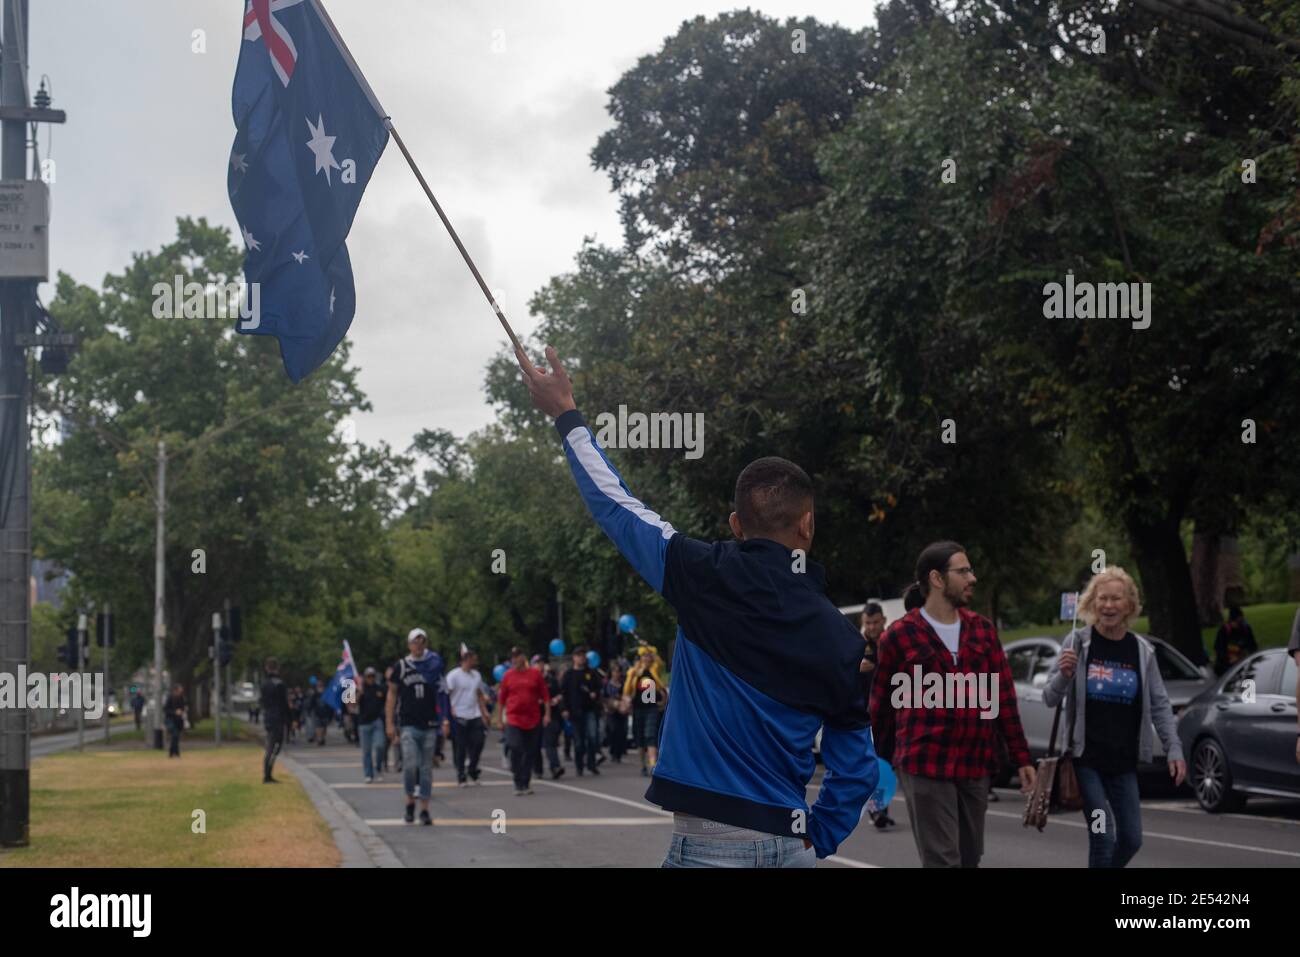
(942, 751)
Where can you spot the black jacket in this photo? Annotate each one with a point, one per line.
(581, 690)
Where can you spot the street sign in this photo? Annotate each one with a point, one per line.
(24, 229)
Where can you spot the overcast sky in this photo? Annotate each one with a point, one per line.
(503, 138)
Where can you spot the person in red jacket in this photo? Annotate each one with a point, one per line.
(523, 709)
(942, 749)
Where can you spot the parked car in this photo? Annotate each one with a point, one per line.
(244, 693)
(1240, 733)
(1031, 659)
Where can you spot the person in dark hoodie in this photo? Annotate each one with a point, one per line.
(762, 660)
(581, 688)
(1235, 640)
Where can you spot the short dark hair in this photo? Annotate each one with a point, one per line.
(871, 608)
(771, 495)
(271, 666)
(579, 650)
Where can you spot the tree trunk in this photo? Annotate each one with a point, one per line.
(1206, 582)
(1168, 595)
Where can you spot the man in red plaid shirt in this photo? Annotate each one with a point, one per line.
(943, 755)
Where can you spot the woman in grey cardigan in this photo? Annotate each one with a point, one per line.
(1113, 693)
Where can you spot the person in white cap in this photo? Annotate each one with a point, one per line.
(417, 680)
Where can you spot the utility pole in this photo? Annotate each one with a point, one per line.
(106, 636)
(24, 220)
(216, 670)
(79, 675)
(159, 621)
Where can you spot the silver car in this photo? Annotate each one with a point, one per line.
(1031, 659)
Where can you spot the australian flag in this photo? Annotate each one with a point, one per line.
(309, 132)
(345, 675)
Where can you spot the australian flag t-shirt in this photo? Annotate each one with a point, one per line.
(1113, 708)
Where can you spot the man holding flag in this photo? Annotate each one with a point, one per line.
(309, 133)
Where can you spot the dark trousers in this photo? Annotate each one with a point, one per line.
(274, 741)
(586, 739)
(1112, 810)
(548, 741)
(523, 752)
(947, 818)
(174, 737)
(467, 737)
(617, 725)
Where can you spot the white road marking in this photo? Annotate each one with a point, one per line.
(379, 785)
(522, 821)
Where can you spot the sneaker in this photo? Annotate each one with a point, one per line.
(477, 783)
(425, 819)
(600, 759)
(519, 792)
(579, 772)
(594, 770)
(370, 779)
(993, 796)
(461, 784)
(881, 821)
(269, 780)
(556, 774)
(529, 791)
(409, 817)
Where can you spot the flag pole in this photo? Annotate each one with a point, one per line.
(388, 124)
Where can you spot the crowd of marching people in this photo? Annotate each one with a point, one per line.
(404, 719)
(766, 671)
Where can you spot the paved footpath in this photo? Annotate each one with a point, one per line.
(605, 821)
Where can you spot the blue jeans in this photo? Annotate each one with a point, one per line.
(372, 743)
(1114, 834)
(687, 850)
(586, 739)
(417, 755)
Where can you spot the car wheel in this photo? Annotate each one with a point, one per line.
(1212, 779)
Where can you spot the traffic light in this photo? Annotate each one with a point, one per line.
(235, 625)
(226, 652)
(68, 650)
(104, 629)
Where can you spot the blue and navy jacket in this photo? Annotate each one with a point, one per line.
(763, 661)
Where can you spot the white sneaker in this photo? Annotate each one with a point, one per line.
(370, 779)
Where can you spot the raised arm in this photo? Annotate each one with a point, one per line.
(638, 533)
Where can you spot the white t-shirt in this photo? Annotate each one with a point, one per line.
(950, 635)
(463, 688)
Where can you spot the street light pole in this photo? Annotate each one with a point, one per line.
(108, 672)
(79, 676)
(216, 669)
(159, 622)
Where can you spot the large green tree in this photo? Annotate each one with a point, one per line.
(266, 504)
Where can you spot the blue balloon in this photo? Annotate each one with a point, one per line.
(499, 672)
(593, 659)
(885, 787)
(627, 623)
(557, 646)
